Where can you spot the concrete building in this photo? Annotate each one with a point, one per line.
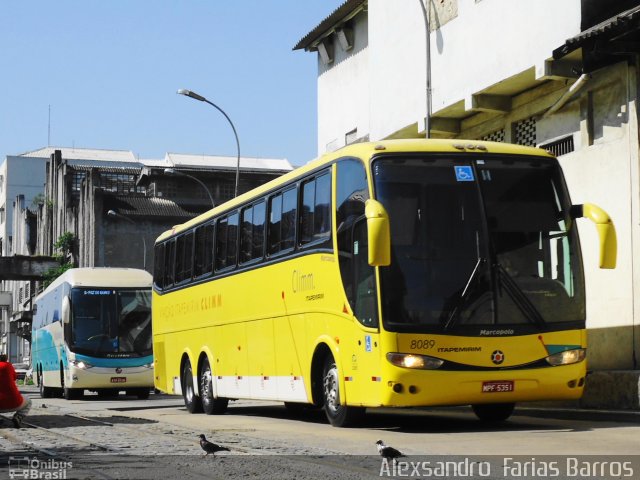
(79, 187)
(559, 75)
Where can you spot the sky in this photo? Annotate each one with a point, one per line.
(108, 72)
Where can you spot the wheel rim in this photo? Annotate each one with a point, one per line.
(206, 384)
(331, 389)
(189, 394)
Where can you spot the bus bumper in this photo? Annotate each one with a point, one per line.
(116, 378)
(405, 388)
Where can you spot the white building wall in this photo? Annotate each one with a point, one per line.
(472, 50)
(343, 91)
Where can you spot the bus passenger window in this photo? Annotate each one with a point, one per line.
(275, 216)
(158, 266)
(168, 263)
(282, 221)
(184, 257)
(246, 234)
(203, 254)
(226, 242)
(259, 218)
(289, 207)
(315, 218)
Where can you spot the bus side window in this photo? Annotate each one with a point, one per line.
(158, 266)
(252, 233)
(315, 217)
(351, 193)
(184, 257)
(170, 247)
(282, 221)
(203, 250)
(226, 242)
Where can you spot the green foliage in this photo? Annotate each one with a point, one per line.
(53, 273)
(64, 244)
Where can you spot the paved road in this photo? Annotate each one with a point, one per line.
(127, 438)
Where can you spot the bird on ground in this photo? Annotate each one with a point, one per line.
(211, 447)
(387, 452)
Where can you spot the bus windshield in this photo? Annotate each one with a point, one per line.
(478, 244)
(110, 322)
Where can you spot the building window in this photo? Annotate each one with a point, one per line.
(497, 136)
(525, 132)
(561, 146)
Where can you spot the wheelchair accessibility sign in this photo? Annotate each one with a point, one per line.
(464, 173)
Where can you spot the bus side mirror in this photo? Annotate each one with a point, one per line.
(378, 234)
(606, 231)
(66, 310)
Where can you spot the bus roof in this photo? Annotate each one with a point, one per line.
(102, 277)
(365, 151)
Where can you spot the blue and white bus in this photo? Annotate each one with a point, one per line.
(92, 331)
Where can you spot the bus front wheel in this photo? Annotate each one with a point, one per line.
(45, 392)
(191, 400)
(210, 405)
(493, 412)
(338, 415)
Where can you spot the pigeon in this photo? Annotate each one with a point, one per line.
(388, 453)
(210, 447)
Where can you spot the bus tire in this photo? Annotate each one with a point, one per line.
(337, 414)
(191, 400)
(45, 392)
(141, 393)
(210, 405)
(493, 412)
(73, 393)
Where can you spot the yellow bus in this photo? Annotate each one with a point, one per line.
(399, 273)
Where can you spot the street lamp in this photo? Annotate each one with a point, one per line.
(113, 213)
(194, 95)
(173, 171)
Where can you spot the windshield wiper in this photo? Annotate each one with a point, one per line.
(519, 298)
(462, 300)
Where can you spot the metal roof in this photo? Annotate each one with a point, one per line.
(347, 10)
(84, 154)
(85, 157)
(140, 206)
(620, 24)
(227, 163)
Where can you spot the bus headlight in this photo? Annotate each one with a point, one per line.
(148, 365)
(80, 364)
(411, 360)
(567, 357)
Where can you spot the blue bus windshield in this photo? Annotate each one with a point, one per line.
(108, 322)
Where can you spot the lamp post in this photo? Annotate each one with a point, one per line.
(113, 213)
(173, 171)
(425, 13)
(195, 96)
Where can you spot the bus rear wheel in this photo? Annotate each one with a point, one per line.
(493, 412)
(191, 400)
(338, 415)
(210, 405)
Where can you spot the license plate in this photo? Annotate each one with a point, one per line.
(497, 387)
(118, 379)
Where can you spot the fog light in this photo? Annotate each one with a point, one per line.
(413, 389)
(398, 388)
(572, 384)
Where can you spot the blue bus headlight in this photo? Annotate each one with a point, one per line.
(411, 360)
(567, 357)
(80, 364)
